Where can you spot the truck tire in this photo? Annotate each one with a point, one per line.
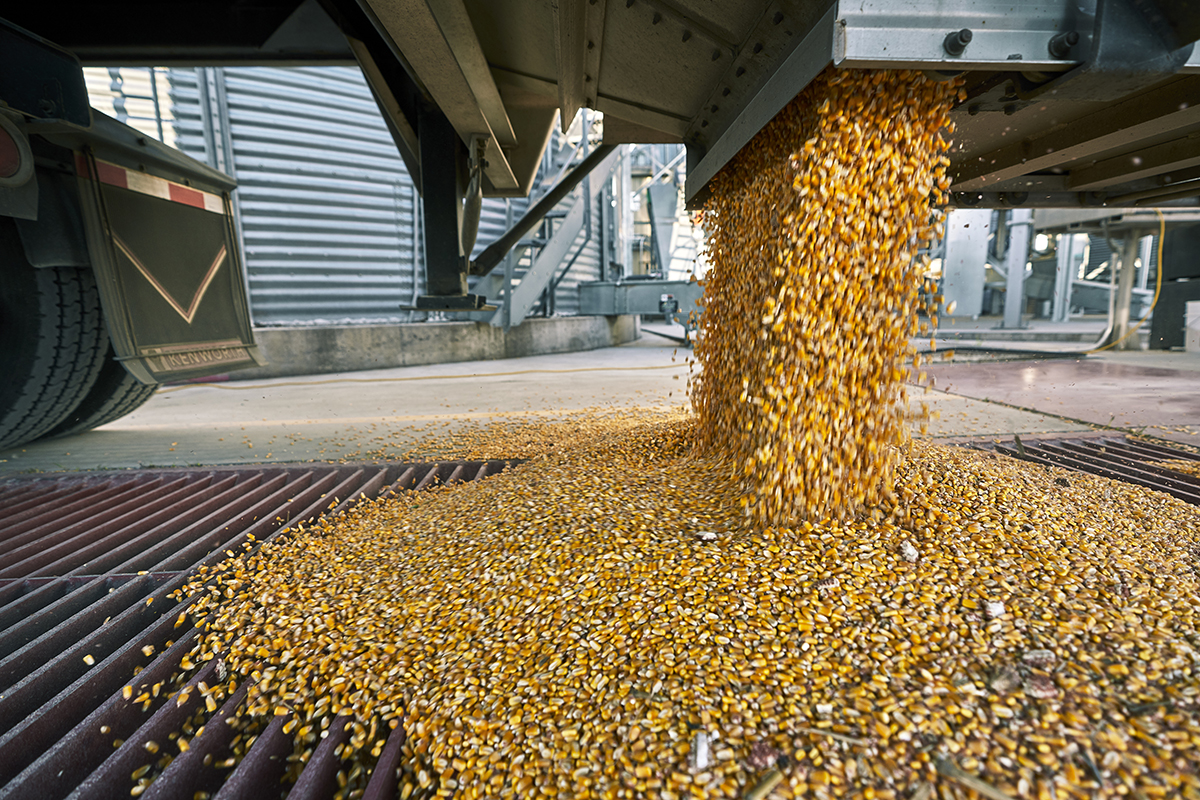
(54, 341)
(114, 394)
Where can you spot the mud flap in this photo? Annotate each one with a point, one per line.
(168, 268)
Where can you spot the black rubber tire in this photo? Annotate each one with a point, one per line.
(114, 394)
(52, 341)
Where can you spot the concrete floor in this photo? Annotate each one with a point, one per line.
(368, 415)
(1154, 392)
(359, 415)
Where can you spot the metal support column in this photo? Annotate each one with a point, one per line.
(509, 268)
(443, 172)
(1125, 294)
(964, 265)
(602, 228)
(1147, 255)
(1020, 224)
(625, 209)
(1062, 278)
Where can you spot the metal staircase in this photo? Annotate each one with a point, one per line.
(536, 265)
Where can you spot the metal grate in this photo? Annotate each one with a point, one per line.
(87, 566)
(1120, 458)
(88, 562)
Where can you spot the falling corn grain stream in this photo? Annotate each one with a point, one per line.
(769, 596)
(813, 230)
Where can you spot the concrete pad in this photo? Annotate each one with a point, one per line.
(314, 350)
(954, 416)
(374, 414)
(360, 415)
(1132, 392)
(988, 330)
(1162, 359)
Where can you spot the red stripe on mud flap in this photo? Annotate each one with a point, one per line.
(112, 174)
(145, 183)
(182, 194)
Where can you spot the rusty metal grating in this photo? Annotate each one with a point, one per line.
(1121, 458)
(88, 562)
(87, 566)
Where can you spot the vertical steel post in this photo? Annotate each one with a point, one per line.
(442, 154)
(585, 150)
(602, 225)
(509, 258)
(207, 123)
(1020, 224)
(1125, 294)
(964, 260)
(1062, 278)
(1147, 256)
(626, 211)
(224, 140)
(416, 251)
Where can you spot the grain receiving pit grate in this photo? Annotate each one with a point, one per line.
(88, 562)
(1118, 457)
(87, 565)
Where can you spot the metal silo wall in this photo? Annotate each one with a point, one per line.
(326, 206)
(187, 115)
(330, 219)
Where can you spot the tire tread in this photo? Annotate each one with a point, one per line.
(114, 394)
(58, 354)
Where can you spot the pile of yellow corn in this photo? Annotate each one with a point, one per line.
(604, 621)
(813, 293)
(1186, 466)
(767, 599)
